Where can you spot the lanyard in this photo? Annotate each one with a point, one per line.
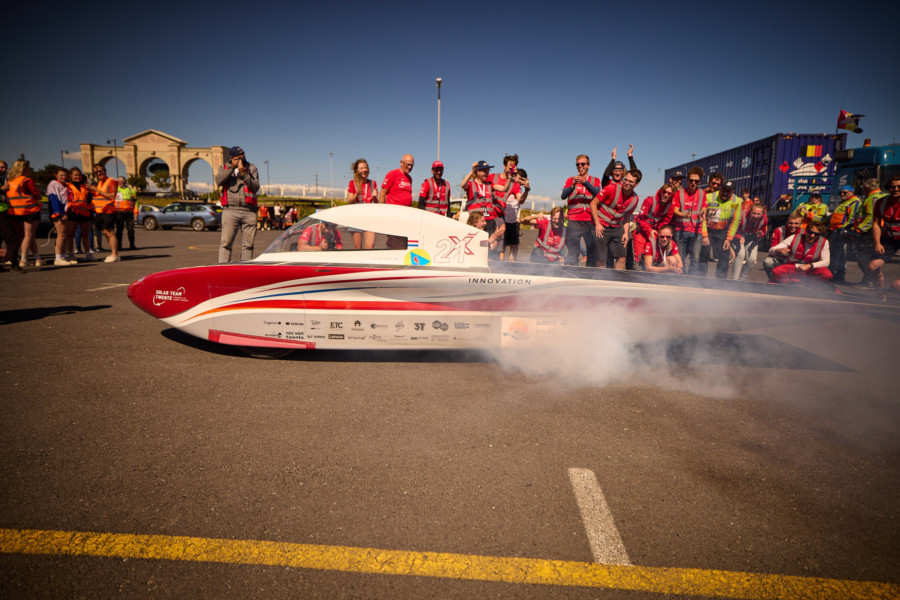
(438, 189)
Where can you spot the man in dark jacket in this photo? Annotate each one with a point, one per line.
(239, 182)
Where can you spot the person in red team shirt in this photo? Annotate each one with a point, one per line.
(551, 239)
(780, 234)
(611, 212)
(579, 191)
(318, 237)
(807, 257)
(660, 253)
(656, 212)
(751, 232)
(690, 212)
(435, 193)
(480, 199)
(503, 191)
(361, 190)
(886, 233)
(397, 185)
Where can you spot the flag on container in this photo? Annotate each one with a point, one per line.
(849, 121)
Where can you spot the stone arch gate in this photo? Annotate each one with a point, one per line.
(138, 150)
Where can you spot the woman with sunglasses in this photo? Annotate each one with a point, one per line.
(656, 212)
(660, 253)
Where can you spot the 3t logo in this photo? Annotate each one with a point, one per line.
(419, 326)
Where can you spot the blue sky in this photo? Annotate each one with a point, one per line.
(292, 82)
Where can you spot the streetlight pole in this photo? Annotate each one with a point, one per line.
(116, 155)
(439, 81)
(331, 183)
(268, 191)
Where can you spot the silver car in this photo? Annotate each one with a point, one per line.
(180, 214)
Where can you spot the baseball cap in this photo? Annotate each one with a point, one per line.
(482, 165)
(728, 185)
(847, 188)
(677, 175)
(437, 165)
(235, 151)
(619, 165)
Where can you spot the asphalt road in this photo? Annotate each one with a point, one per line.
(773, 452)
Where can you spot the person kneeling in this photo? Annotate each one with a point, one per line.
(661, 255)
(807, 257)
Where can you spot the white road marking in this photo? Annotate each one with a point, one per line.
(606, 544)
(109, 286)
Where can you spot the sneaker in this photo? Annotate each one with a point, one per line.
(112, 258)
(22, 264)
(90, 257)
(17, 269)
(61, 262)
(71, 258)
(38, 262)
(133, 248)
(868, 285)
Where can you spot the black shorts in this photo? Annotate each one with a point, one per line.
(32, 218)
(76, 218)
(511, 235)
(891, 247)
(106, 221)
(611, 242)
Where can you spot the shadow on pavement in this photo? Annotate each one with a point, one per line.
(35, 314)
(741, 350)
(738, 350)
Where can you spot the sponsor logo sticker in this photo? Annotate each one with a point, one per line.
(518, 330)
(458, 325)
(335, 336)
(337, 325)
(417, 258)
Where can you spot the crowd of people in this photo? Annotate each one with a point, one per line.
(83, 212)
(682, 228)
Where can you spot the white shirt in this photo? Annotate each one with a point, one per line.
(61, 191)
(824, 258)
(513, 206)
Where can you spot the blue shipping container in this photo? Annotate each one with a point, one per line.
(773, 167)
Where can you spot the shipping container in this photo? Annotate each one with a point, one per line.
(772, 168)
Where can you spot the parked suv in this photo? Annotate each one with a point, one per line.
(180, 214)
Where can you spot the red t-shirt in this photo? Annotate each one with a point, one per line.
(890, 215)
(553, 239)
(369, 192)
(648, 221)
(314, 237)
(580, 195)
(500, 197)
(441, 194)
(398, 187)
(688, 224)
(626, 205)
(659, 257)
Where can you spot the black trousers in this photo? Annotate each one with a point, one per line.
(98, 234)
(8, 235)
(125, 220)
(717, 239)
(575, 231)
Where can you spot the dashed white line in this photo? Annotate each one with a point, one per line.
(606, 543)
(109, 286)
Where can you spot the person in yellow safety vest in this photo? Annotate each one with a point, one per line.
(126, 213)
(861, 232)
(723, 215)
(104, 201)
(7, 231)
(814, 210)
(838, 234)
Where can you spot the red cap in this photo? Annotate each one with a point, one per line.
(437, 164)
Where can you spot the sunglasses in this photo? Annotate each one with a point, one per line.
(894, 187)
(665, 237)
(581, 164)
(694, 180)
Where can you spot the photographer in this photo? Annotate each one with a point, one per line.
(239, 181)
(321, 236)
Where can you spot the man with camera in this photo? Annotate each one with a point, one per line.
(239, 181)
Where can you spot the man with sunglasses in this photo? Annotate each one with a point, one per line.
(690, 214)
(611, 212)
(615, 170)
(807, 258)
(435, 193)
(579, 191)
(656, 212)
(838, 236)
(660, 254)
(886, 233)
(397, 185)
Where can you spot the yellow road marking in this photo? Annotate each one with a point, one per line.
(724, 584)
